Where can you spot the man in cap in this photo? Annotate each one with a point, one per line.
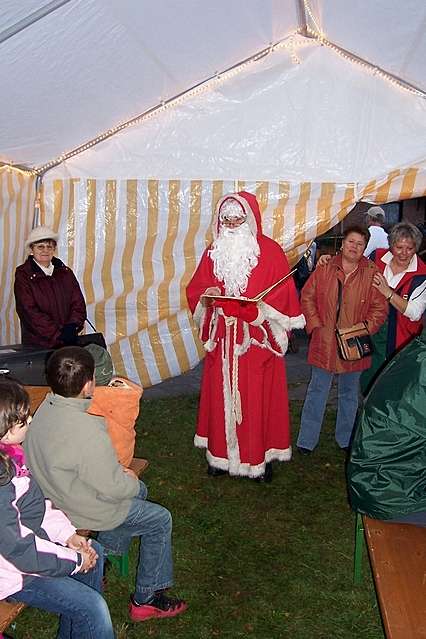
(49, 301)
(243, 419)
(374, 220)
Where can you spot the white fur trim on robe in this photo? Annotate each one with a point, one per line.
(244, 469)
(199, 319)
(279, 324)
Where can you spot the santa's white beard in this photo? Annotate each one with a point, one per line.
(235, 254)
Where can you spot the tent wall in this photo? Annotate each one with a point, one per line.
(17, 194)
(133, 245)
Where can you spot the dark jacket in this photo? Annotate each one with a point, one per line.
(387, 466)
(45, 303)
(360, 302)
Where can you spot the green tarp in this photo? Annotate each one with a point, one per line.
(387, 466)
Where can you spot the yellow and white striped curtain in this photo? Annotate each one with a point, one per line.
(134, 244)
(17, 194)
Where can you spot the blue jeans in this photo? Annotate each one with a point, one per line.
(84, 612)
(153, 523)
(316, 400)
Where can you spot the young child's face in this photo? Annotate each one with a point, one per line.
(16, 434)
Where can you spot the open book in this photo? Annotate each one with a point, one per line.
(255, 299)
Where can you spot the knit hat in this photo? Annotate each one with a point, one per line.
(376, 213)
(40, 233)
(103, 364)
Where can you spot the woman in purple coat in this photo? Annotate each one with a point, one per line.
(49, 301)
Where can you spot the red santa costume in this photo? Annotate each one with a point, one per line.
(243, 418)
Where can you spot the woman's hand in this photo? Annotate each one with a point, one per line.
(69, 334)
(382, 286)
(323, 260)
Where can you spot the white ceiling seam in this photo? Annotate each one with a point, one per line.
(31, 19)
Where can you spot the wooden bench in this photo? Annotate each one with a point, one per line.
(397, 554)
(8, 612)
(37, 395)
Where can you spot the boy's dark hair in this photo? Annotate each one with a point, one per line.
(69, 369)
(14, 408)
(355, 228)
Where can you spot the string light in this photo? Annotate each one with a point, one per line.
(364, 64)
(318, 35)
(312, 17)
(290, 43)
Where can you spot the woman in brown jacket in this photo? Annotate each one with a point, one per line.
(360, 301)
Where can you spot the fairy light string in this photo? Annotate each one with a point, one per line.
(318, 34)
(291, 43)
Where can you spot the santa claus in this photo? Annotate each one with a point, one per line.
(243, 418)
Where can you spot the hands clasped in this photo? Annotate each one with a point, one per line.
(69, 334)
(83, 546)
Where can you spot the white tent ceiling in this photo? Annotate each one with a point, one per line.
(317, 121)
(294, 100)
(71, 70)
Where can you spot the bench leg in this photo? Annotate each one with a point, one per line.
(359, 543)
(121, 562)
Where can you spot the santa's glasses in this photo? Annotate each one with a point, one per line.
(231, 213)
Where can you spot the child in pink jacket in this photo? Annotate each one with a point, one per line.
(44, 563)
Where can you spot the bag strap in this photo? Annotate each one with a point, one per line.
(89, 322)
(339, 303)
(339, 300)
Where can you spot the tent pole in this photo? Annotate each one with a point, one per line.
(31, 19)
(345, 53)
(301, 18)
(36, 216)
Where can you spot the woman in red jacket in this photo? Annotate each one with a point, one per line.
(402, 281)
(325, 309)
(49, 301)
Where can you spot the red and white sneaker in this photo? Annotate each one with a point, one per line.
(160, 606)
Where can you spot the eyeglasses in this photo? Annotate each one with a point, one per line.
(233, 222)
(50, 246)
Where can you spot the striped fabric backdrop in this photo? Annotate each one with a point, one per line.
(134, 244)
(17, 193)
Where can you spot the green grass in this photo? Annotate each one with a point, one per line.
(266, 561)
